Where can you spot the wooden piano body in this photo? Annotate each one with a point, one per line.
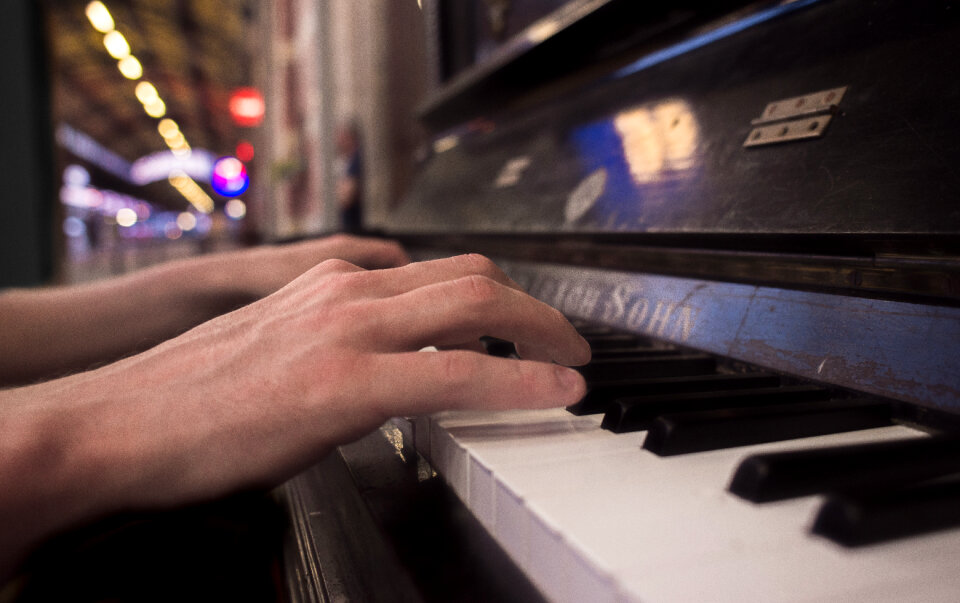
(772, 183)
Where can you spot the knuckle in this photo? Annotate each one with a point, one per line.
(479, 290)
(478, 264)
(458, 368)
(528, 382)
(336, 265)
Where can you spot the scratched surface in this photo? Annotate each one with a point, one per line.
(656, 145)
(905, 351)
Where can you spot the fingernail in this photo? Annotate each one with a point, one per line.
(568, 378)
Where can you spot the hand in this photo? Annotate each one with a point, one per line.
(55, 331)
(262, 270)
(258, 394)
(255, 396)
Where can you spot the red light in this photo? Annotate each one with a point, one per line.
(247, 107)
(244, 151)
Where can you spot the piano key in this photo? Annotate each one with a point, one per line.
(601, 394)
(872, 516)
(613, 340)
(499, 347)
(674, 518)
(637, 412)
(589, 329)
(776, 476)
(605, 369)
(684, 433)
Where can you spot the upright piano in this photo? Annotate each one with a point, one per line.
(751, 210)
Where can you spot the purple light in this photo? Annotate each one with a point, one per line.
(229, 177)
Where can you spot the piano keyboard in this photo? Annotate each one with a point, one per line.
(592, 515)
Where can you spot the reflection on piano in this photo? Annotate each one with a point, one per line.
(750, 209)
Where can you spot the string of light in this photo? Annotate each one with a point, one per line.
(118, 47)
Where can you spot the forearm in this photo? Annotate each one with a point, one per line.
(51, 476)
(51, 332)
(154, 430)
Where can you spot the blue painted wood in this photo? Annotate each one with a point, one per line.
(910, 352)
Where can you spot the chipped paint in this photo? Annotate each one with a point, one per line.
(905, 351)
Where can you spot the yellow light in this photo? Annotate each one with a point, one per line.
(182, 150)
(130, 68)
(168, 128)
(186, 221)
(658, 138)
(445, 144)
(176, 141)
(191, 191)
(235, 208)
(146, 93)
(116, 44)
(155, 108)
(126, 217)
(99, 17)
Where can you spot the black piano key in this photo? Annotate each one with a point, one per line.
(875, 516)
(637, 412)
(781, 475)
(684, 433)
(499, 347)
(591, 330)
(608, 369)
(612, 340)
(602, 394)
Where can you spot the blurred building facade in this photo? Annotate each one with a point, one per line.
(329, 64)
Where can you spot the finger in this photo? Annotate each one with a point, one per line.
(367, 252)
(387, 283)
(429, 382)
(465, 309)
(379, 253)
(472, 346)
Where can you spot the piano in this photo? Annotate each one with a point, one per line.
(751, 211)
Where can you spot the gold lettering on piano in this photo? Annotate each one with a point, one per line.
(661, 314)
(618, 305)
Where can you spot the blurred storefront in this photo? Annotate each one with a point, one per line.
(170, 129)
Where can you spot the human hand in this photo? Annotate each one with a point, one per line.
(261, 270)
(254, 396)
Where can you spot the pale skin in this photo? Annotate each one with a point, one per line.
(250, 398)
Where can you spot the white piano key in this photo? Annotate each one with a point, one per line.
(589, 515)
(512, 524)
(451, 460)
(482, 488)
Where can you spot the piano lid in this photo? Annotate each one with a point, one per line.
(683, 133)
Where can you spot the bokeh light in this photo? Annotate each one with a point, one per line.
(130, 67)
(99, 17)
(168, 128)
(146, 92)
(236, 209)
(155, 108)
(244, 151)
(126, 217)
(229, 177)
(116, 44)
(186, 221)
(247, 107)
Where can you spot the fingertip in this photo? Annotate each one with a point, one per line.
(584, 354)
(571, 383)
